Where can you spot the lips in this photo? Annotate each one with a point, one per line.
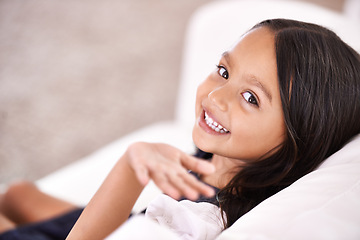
(214, 125)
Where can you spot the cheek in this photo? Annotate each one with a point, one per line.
(273, 134)
(254, 138)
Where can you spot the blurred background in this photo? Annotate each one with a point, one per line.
(76, 75)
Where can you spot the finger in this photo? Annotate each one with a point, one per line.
(165, 185)
(197, 165)
(183, 187)
(190, 186)
(199, 186)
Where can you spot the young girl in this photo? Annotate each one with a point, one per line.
(281, 101)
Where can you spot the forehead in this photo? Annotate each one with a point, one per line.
(256, 43)
(253, 59)
(254, 54)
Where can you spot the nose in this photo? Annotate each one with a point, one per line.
(219, 97)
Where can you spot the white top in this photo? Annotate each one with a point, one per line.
(184, 220)
(189, 220)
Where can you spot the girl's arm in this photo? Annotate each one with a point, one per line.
(112, 204)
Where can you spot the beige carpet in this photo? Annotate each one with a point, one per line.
(76, 75)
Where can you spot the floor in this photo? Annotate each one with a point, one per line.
(75, 76)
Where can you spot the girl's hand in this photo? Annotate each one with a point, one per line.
(168, 168)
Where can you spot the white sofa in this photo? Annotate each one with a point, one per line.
(324, 204)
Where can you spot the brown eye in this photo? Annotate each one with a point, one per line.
(223, 72)
(250, 98)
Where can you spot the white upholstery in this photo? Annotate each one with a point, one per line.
(324, 204)
(352, 9)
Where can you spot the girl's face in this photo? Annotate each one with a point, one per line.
(238, 107)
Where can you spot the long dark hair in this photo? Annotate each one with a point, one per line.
(319, 80)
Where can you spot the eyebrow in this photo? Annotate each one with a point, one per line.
(226, 55)
(252, 79)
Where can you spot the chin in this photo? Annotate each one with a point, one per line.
(199, 140)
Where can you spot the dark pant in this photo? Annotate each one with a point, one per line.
(54, 229)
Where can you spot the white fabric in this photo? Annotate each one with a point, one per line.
(140, 228)
(322, 205)
(186, 220)
(190, 220)
(352, 9)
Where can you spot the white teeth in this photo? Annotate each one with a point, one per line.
(214, 125)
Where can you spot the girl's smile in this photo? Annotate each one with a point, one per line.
(211, 125)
